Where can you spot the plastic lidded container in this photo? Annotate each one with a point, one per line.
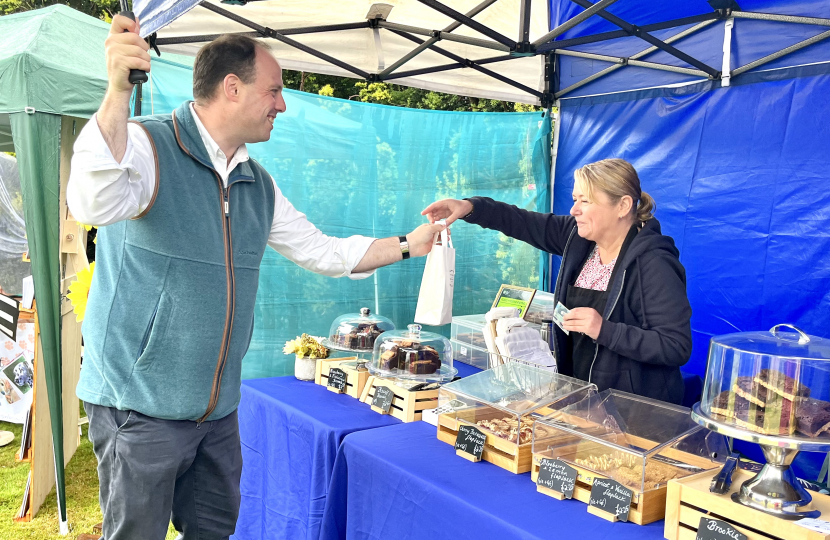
(506, 399)
(413, 355)
(640, 442)
(357, 332)
(770, 384)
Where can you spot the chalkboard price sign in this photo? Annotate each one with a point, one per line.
(612, 497)
(470, 440)
(383, 398)
(557, 475)
(337, 379)
(714, 529)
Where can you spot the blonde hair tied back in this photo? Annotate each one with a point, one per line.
(616, 178)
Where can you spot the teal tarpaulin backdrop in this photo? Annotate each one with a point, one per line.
(357, 168)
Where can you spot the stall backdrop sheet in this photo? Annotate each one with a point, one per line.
(359, 168)
(290, 432)
(402, 482)
(16, 374)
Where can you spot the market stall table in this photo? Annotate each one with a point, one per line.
(402, 482)
(290, 432)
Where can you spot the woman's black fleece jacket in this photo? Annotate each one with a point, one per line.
(646, 333)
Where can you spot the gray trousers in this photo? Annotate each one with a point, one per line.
(151, 471)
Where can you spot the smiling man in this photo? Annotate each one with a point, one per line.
(185, 217)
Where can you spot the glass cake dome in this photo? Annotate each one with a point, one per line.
(413, 355)
(357, 332)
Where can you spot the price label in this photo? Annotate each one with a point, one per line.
(337, 379)
(714, 529)
(383, 398)
(557, 475)
(612, 497)
(471, 441)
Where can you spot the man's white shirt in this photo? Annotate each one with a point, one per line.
(102, 191)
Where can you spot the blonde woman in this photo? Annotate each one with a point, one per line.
(629, 321)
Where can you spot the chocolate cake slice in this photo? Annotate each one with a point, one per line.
(729, 404)
(781, 384)
(813, 418)
(777, 418)
(750, 391)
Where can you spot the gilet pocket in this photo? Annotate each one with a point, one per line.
(152, 343)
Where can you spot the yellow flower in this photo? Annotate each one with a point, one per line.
(79, 291)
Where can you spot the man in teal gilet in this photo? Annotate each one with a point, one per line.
(185, 217)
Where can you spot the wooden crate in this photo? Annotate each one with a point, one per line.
(508, 455)
(646, 507)
(689, 499)
(406, 406)
(355, 380)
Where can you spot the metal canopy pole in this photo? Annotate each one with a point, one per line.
(473, 65)
(428, 43)
(780, 18)
(638, 32)
(467, 21)
(524, 21)
(573, 21)
(641, 54)
(201, 38)
(605, 36)
(270, 33)
(632, 62)
(444, 35)
(446, 67)
(775, 56)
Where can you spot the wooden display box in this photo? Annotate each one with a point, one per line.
(406, 406)
(646, 507)
(689, 499)
(355, 380)
(511, 456)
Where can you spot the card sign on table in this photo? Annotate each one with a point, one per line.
(383, 398)
(611, 497)
(558, 476)
(337, 379)
(470, 440)
(714, 529)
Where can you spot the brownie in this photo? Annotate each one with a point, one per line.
(410, 356)
(363, 336)
(751, 391)
(776, 419)
(813, 418)
(781, 384)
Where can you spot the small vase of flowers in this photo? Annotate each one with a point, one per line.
(306, 350)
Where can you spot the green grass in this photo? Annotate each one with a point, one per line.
(83, 511)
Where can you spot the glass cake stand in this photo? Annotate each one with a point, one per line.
(773, 389)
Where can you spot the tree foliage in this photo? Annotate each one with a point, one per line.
(101, 9)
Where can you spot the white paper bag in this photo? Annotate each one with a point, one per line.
(435, 298)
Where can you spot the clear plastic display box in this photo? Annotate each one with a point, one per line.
(503, 402)
(641, 443)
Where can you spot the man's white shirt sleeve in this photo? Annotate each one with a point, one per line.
(102, 191)
(298, 240)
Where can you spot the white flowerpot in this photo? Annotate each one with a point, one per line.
(304, 367)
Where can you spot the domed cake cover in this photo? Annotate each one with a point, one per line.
(770, 384)
(413, 355)
(357, 331)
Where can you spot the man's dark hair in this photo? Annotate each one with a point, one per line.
(229, 54)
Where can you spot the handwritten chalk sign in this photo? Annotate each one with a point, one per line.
(470, 440)
(714, 529)
(383, 398)
(337, 379)
(557, 475)
(611, 497)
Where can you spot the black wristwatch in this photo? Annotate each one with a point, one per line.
(404, 247)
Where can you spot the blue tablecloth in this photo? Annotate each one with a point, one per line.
(290, 432)
(402, 482)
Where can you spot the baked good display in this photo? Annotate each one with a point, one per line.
(510, 428)
(640, 442)
(409, 355)
(357, 332)
(770, 388)
(412, 355)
